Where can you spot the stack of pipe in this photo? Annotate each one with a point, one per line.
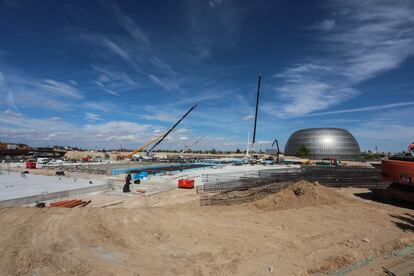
(71, 203)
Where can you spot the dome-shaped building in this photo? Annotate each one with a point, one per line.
(325, 143)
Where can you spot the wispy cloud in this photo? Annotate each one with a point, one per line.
(115, 48)
(362, 109)
(92, 116)
(167, 84)
(372, 38)
(17, 127)
(130, 26)
(248, 118)
(19, 90)
(159, 116)
(60, 88)
(214, 3)
(99, 106)
(325, 25)
(104, 42)
(386, 129)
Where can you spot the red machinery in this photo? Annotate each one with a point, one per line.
(400, 170)
(30, 164)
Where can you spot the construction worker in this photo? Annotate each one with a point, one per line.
(127, 183)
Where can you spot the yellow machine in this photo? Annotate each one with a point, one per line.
(146, 145)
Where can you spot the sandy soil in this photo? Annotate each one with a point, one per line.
(306, 229)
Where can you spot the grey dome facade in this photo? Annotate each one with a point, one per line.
(325, 143)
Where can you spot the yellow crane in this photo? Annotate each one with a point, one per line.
(146, 145)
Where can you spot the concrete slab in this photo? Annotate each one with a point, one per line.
(151, 186)
(16, 188)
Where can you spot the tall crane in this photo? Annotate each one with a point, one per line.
(190, 146)
(257, 109)
(145, 146)
(171, 129)
(251, 146)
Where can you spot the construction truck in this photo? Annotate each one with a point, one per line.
(400, 171)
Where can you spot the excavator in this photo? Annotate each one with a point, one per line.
(400, 171)
(278, 150)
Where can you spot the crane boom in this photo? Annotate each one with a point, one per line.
(146, 145)
(171, 129)
(278, 150)
(277, 145)
(257, 108)
(190, 146)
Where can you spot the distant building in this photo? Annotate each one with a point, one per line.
(325, 143)
(47, 152)
(11, 146)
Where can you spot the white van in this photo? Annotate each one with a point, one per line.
(42, 160)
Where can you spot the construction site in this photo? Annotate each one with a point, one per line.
(67, 212)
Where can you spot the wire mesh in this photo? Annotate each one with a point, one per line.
(228, 189)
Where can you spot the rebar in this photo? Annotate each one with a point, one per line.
(228, 189)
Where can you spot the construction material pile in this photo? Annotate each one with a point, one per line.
(71, 203)
(298, 195)
(275, 196)
(228, 190)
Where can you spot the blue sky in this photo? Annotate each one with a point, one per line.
(115, 73)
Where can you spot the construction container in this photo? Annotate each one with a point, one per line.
(186, 183)
(30, 165)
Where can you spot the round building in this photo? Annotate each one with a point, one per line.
(324, 143)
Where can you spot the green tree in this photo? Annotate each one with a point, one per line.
(302, 151)
(238, 151)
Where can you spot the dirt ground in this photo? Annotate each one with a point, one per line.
(304, 230)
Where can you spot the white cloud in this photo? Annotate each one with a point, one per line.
(100, 106)
(168, 85)
(183, 138)
(214, 3)
(386, 129)
(17, 127)
(248, 117)
(24, 91)
(362, 109)
(371, 38)
(325, 25)
(60, 88)
(115, 48)
(92, 116)
(113, 78)
(160, 116)
(112, 92)
(130, 26)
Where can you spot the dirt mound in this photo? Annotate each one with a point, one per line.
(298, 195)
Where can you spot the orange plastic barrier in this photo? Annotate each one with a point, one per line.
(186, 183)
